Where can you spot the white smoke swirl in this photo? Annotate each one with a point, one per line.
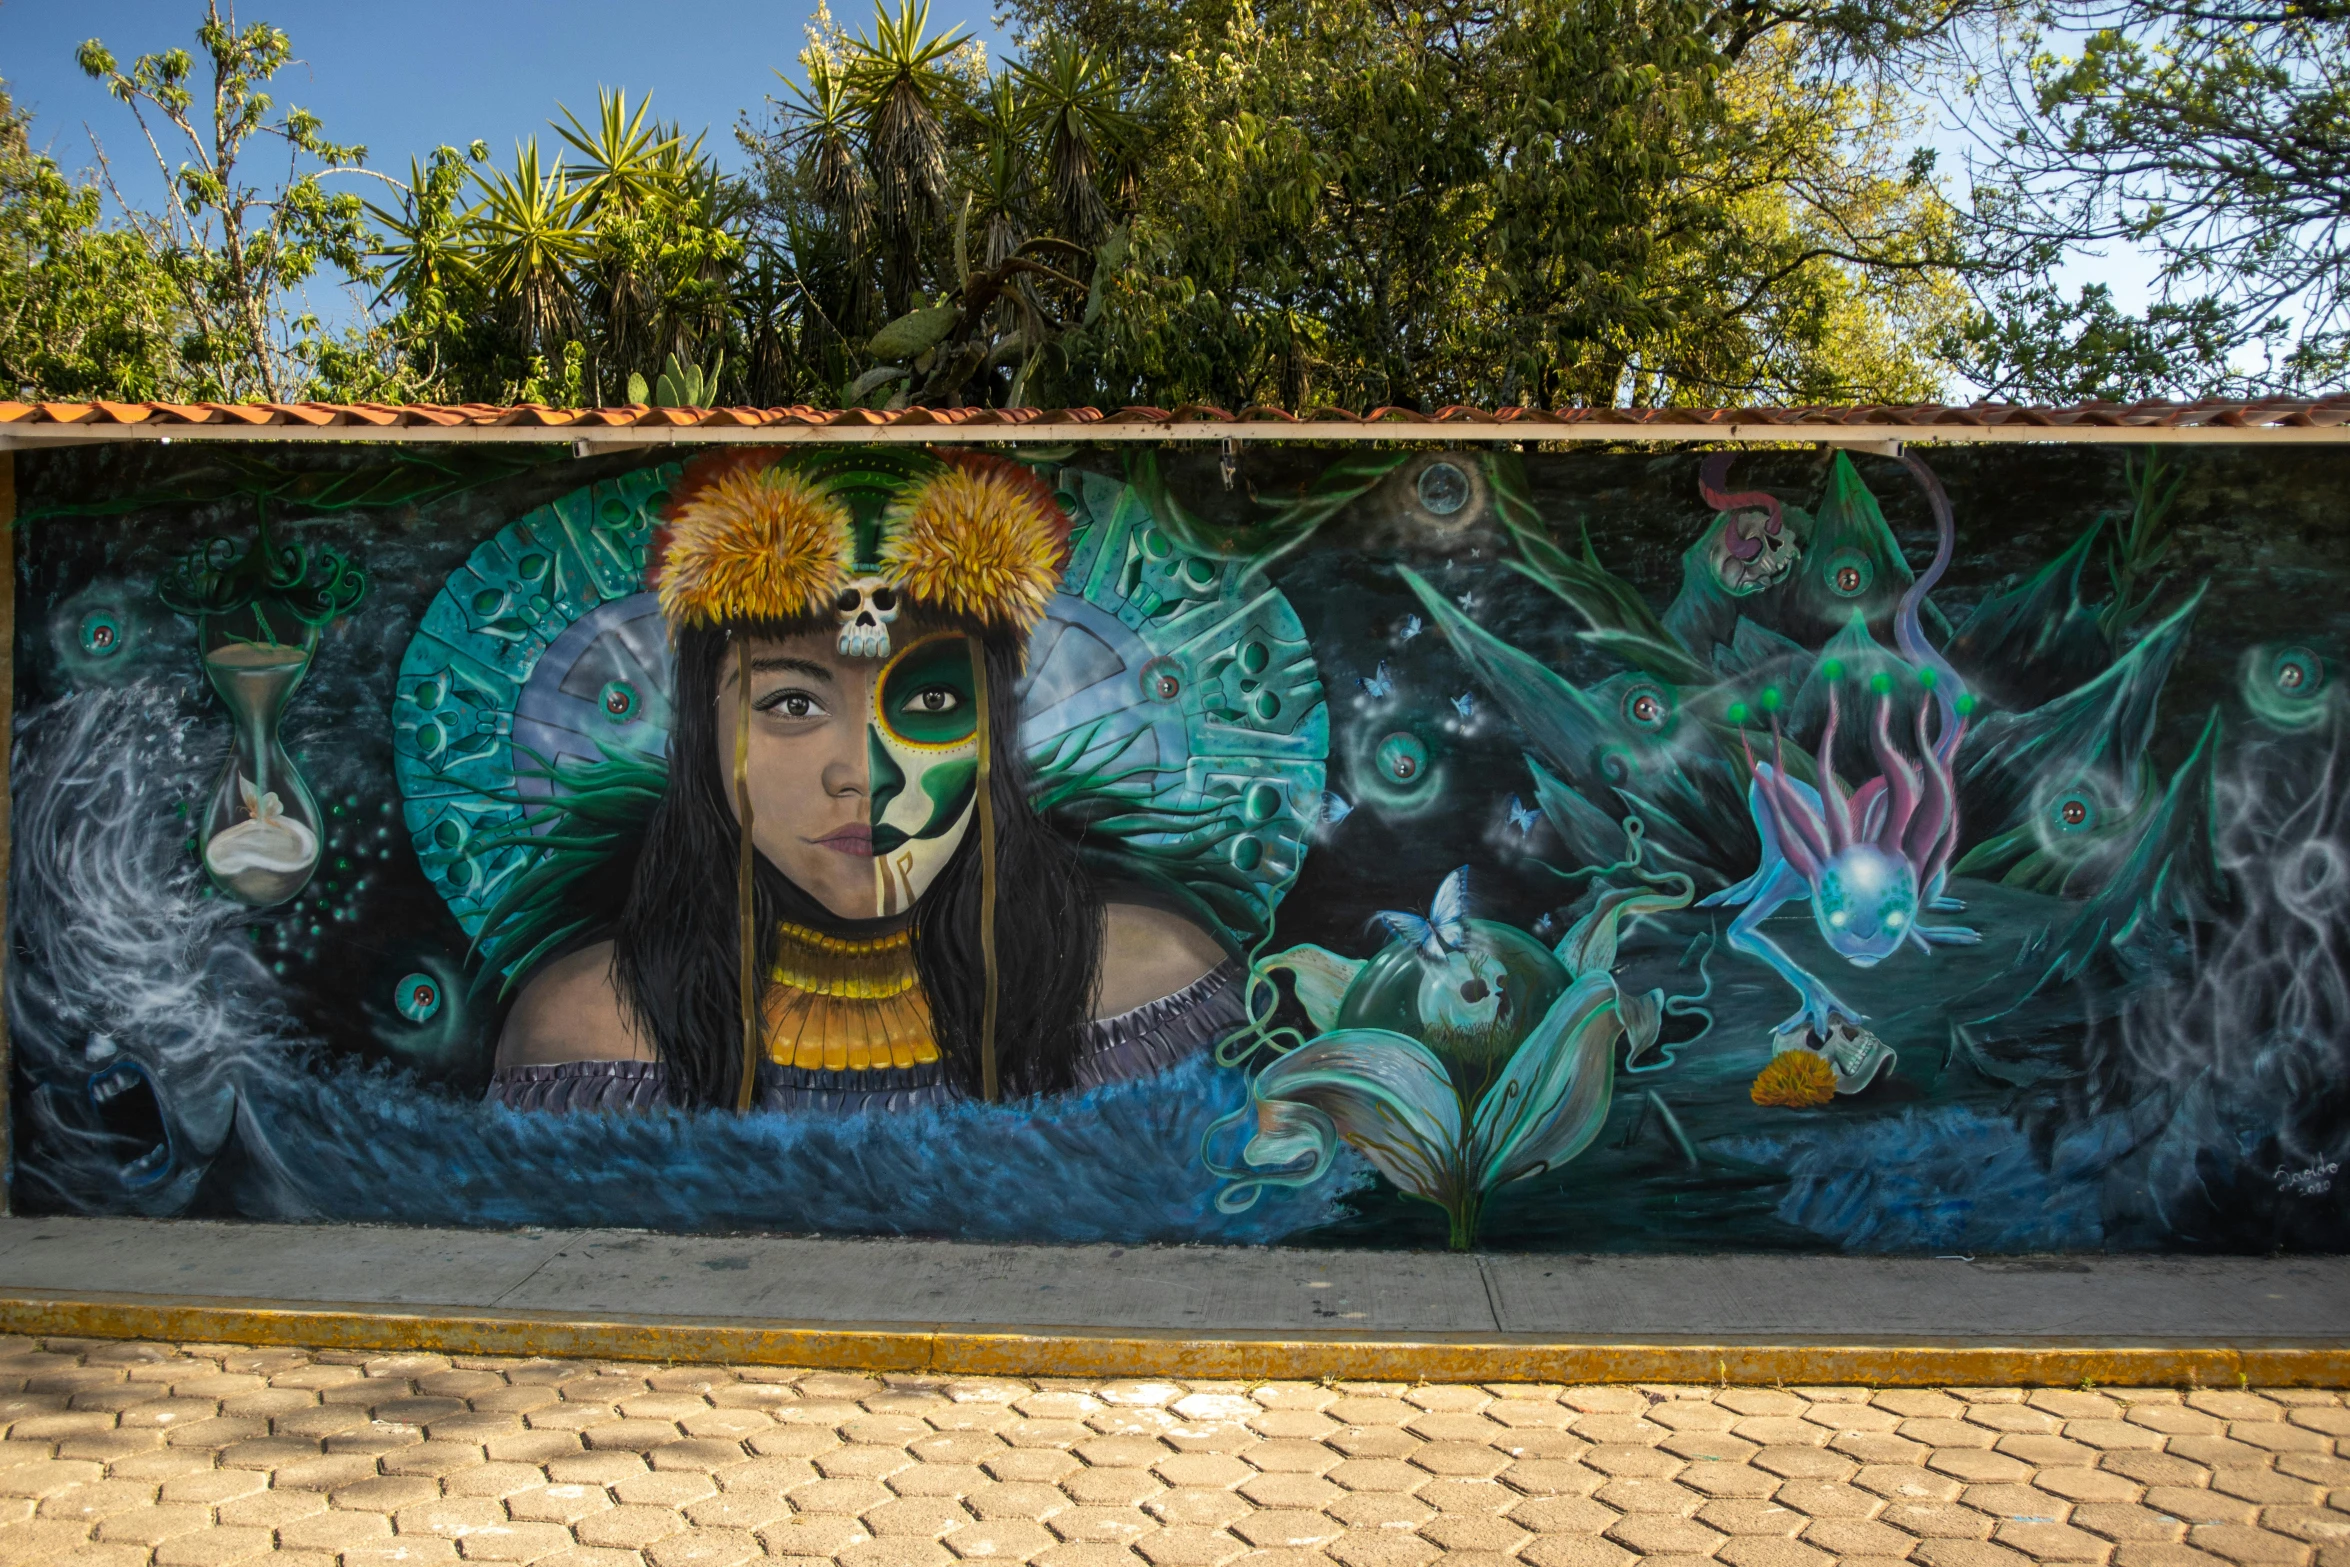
(119, 958)
(2253, 1037)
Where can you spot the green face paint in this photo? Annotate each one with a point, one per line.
(923, 752)
(926, 694)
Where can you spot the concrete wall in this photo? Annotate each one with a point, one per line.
(1602, 852)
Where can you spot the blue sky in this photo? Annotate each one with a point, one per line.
(405, 78)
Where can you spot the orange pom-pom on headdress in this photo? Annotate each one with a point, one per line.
(983, 539)
(752, 541)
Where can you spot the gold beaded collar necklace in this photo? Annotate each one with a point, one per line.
(846, 1006)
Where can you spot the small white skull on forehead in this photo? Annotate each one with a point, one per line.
(866, 607)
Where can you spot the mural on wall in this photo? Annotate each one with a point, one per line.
(1681, 851)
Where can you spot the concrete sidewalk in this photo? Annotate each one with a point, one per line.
(904, 1304)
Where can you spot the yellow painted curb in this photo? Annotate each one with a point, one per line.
(1077, 1352)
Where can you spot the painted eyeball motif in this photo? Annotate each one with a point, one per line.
(102, 634)
(417, 997)
(2074, 811)
(1648, 707)
(1162, 680)
(2296, 673)
(1849, 574)
(2285, 687)
(1401, 758)
(619, 701)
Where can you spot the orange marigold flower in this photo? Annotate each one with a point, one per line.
(1795, 1080)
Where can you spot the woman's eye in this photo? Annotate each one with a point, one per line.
(791, 704)
(936, 699)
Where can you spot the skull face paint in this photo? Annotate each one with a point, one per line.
(924, 756)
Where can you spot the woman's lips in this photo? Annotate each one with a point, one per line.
(856, 839)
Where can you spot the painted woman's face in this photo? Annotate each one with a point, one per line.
(863, 772)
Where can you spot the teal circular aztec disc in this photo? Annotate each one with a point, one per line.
(1171, 706)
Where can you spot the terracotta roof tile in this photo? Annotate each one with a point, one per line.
(2213, 414)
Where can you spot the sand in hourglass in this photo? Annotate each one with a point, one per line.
(261, 829)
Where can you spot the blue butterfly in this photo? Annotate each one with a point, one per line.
(1465, 704)
(1335, 809)
(1446, 929)
(1377, 684)
(1468, 602)
(1413, 625)
(1522, 817)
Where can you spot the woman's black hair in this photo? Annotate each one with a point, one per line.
(675, 948)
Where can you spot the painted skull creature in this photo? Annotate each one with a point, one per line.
(1753, 547)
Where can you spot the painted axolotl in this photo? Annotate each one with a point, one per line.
(1873, 861)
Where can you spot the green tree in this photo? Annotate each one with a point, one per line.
(231, 248)
(942, 227)
(526, 244)
(85, 312)
(2037, 345)
(564, 278)
(2213, 133)
(1560, 201)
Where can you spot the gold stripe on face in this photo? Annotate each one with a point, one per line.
(894, 882)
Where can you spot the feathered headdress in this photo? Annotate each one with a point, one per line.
(752, 537)
(982, 539)
(752, 542)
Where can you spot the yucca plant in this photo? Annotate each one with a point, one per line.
(1004, 191)
(427, 248)
(529, 242)
(622, 158)
(1074, 106)
(826, 140)
(898, 84)
(765, 298)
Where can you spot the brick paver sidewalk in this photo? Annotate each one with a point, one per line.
(198, 1456)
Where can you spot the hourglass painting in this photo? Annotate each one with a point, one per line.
(258, 612)
(1420, 847)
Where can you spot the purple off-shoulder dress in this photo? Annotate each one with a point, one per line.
(1120, 1049)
